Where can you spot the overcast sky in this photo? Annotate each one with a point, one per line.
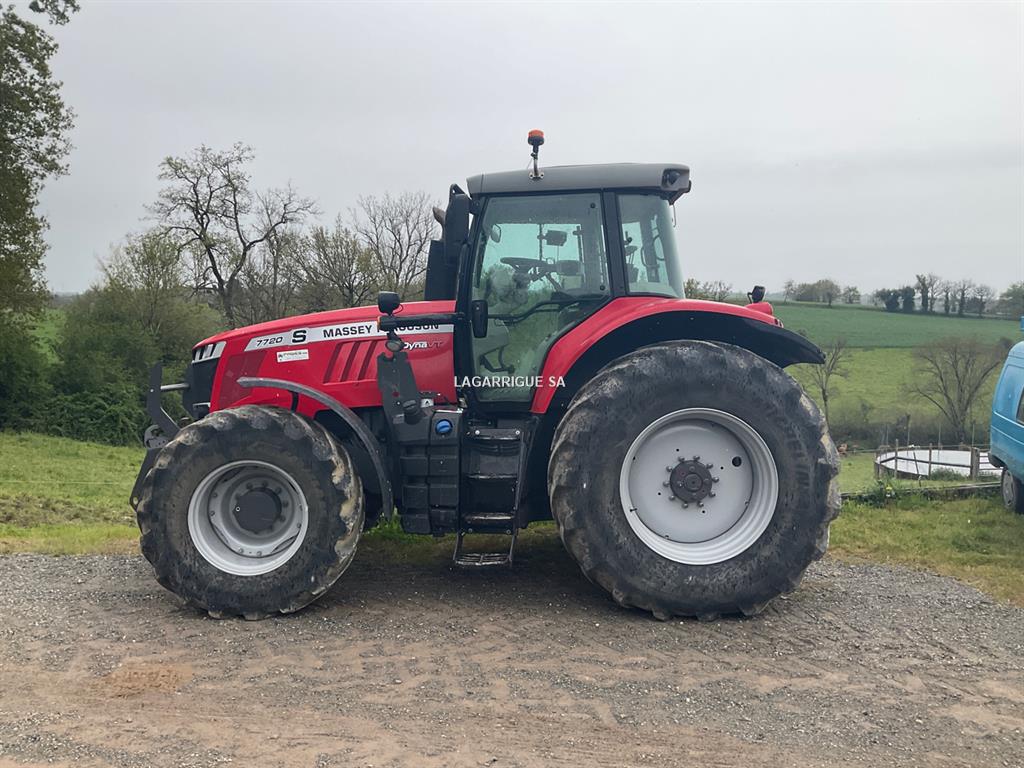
(864, 142)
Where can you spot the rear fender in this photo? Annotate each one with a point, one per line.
(573, 361)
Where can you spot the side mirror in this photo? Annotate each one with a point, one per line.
(388, 302)
(456, 227)
(478, 316)
(756, 296)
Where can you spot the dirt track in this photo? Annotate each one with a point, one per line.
(423, 666)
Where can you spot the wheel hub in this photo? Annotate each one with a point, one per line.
(257, 510)
(691, 481)
(248, 517)
(712, 499)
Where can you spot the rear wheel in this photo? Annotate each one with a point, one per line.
(709, 492)
(251, 511)
(1013, 493)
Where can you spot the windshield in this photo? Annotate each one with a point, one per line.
(649, 246)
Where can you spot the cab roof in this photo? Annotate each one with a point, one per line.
(668, 179)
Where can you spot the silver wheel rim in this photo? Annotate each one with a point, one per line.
(699, 486)
(225, 534)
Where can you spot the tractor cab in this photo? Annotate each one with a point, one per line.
(545, 251)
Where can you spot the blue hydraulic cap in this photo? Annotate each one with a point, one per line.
(443, 427)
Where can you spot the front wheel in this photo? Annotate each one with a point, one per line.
(1013, 492)
(251, 511)
(709, 492)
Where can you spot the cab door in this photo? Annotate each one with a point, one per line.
(540, 262)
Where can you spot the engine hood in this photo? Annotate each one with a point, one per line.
(330, 317)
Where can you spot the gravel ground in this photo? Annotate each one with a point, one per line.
(425, 666)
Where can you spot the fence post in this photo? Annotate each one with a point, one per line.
(975, 463)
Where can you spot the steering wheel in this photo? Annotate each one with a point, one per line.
(525, 266)
(532, 269)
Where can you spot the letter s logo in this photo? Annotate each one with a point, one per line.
(298, 336)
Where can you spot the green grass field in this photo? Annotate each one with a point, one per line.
(868, 327)
(876, 390)
(59, 496)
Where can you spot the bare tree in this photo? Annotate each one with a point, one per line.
(851, 295)
(836, 355)
(946, 288)
(397, 232)
(951, 374)
(270, 280)
(718, 290)
(712, 290)
(981, 297)
(338, 270)
(961, 290)
(788, 289)
(927, 286)
(209, 207)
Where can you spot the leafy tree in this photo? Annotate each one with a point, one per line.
(907, 297)
(34, 127)
(946, 288)
(951, 374)
(213, 214)
(337, 269)
(889, 298)
(851, 295)
(1011, 301)
(927, 286)
(824, 291)
(139, 314)
(22, 377)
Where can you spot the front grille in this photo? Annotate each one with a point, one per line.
(207, 352)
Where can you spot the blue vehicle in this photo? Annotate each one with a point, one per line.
(1007, 438)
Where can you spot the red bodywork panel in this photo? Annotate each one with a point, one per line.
(336, 352)
(617, 313)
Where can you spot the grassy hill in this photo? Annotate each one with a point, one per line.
(871, 403)
(867, 327)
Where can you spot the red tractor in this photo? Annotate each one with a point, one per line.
(555, 370)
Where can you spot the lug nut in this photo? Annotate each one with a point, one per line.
(671, 498)
(669, 469)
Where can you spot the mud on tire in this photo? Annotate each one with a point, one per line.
(622, 400)
(302, 449)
